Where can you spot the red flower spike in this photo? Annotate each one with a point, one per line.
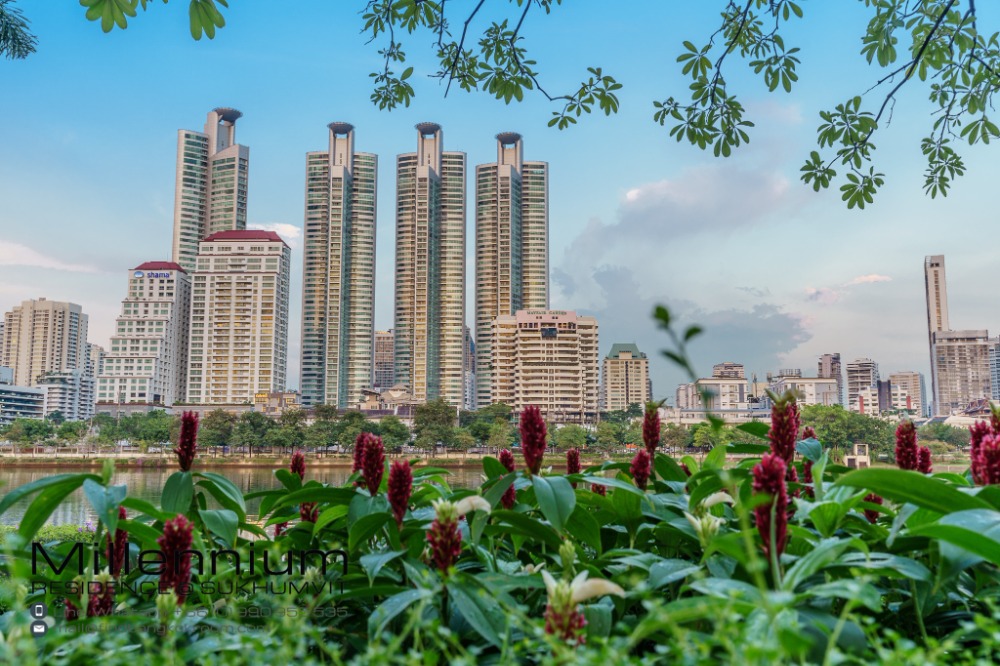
(279, 529)
(686, 469)
(871, 514)
(769, 478)
(510, 495)
(114, 550)
(784, 430)
(640, 469)
(599, 489)
(400, 488)
(102, 602)
(977, 431)
(651, 429)
(445, 540)
(906, 445)
(308, 512)
(567, 626)
(989, 460)
(175, 545)
(373, 464)
(187, 442)
(71, 612)
(532, 438)
(298, 465)
(809, 433)
(359, 452)
(924, 460)
(573, 462)
(807, 477)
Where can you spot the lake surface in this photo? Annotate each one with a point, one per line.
(147, 484)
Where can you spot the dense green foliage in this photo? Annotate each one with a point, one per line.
(916, 586)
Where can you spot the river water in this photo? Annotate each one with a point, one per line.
(148, 483)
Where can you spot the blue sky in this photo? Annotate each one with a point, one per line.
(776, 273)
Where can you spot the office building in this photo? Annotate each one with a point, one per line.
(147, 361)
(19, 402)
(239, 318)
(430, 269)
(512, 252)
(912, 394)
(385, 370)
(625, 378)
(546, 358)
(42, 337)
(210, 193)
(829, 368)
(861, 373)
(338, 279)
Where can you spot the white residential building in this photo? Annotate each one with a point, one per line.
(861, 373)
(546, 358)
(912, 395)
(810, 390)
(147, 361)
(239, 318)
(625, 378)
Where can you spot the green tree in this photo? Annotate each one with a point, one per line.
(394, 432)
(463, 440)
(938, 48)
(154, 427)
(251, 429)
(434, 422)
(352, 424)
(216, 428)
(944, 433)
(673, 436)
(325, 412)
(321, 434)
(611, 435)
(571, 436)
(30, 431)
(501, 435)
(839, 429)
(72, 431)
(56, 417)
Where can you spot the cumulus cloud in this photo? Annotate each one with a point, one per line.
(868, 279)
(289, 233)
(16, 254)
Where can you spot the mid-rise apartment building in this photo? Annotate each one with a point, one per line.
(338, 278)
(70, 393)
(19, 402)
(810, 390)
(512, 252)
(829, 367)
(210, 193)
(625, 378)
(147, 361)
(728, 370)
(962, 368)
(239, 318)
(430, 269)
(861, 373)
(546, 358)
(912, 395)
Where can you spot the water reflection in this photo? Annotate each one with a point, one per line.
(147, 484)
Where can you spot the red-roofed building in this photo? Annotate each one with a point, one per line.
(159, 266)
(244, 234)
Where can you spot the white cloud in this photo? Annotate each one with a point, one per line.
(289, 233)
(15, 254)
(868, 279)
(823, 295)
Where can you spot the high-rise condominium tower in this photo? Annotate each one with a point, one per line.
(41, 337)
(430, 268)
(385, 369)
(512, 248)
(625, 378)
(338, 281)
(829, 368)
(960, 368)
(210, 194)
(148, 358)
(239, 318)
(862, 373)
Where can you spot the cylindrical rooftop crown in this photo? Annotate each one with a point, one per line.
(228, 114)
(508, 138)
(340, 127)
(428, 128)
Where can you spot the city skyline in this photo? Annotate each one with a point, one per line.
(666, 223)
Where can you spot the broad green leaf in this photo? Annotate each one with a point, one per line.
(556, 499)
(755, 428)
(584, 527)
(493, 467)
(810, 449)
(716, 458)
(669, 571)
(975, 530)
(851, 590)
(825, 552)
(529, 526)
(668, 469)
(19, 493)
(393, 606)
(909, 486)
(104, 501)
(45, 503)
(177, 493)
(145, 508)
(365, 527)
(372, 563)
(222, 523)
(479, 609)
(224, 491)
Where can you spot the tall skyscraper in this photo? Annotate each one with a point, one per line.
(547, 358)
(512, 250)
(210, 193)
(147, 361)
(625, 378)
(430, 269)
(385, 369)
(960, 367)
(829, 368)
(862, 373)
(42, 337)
(239, 318)
(338, 281)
